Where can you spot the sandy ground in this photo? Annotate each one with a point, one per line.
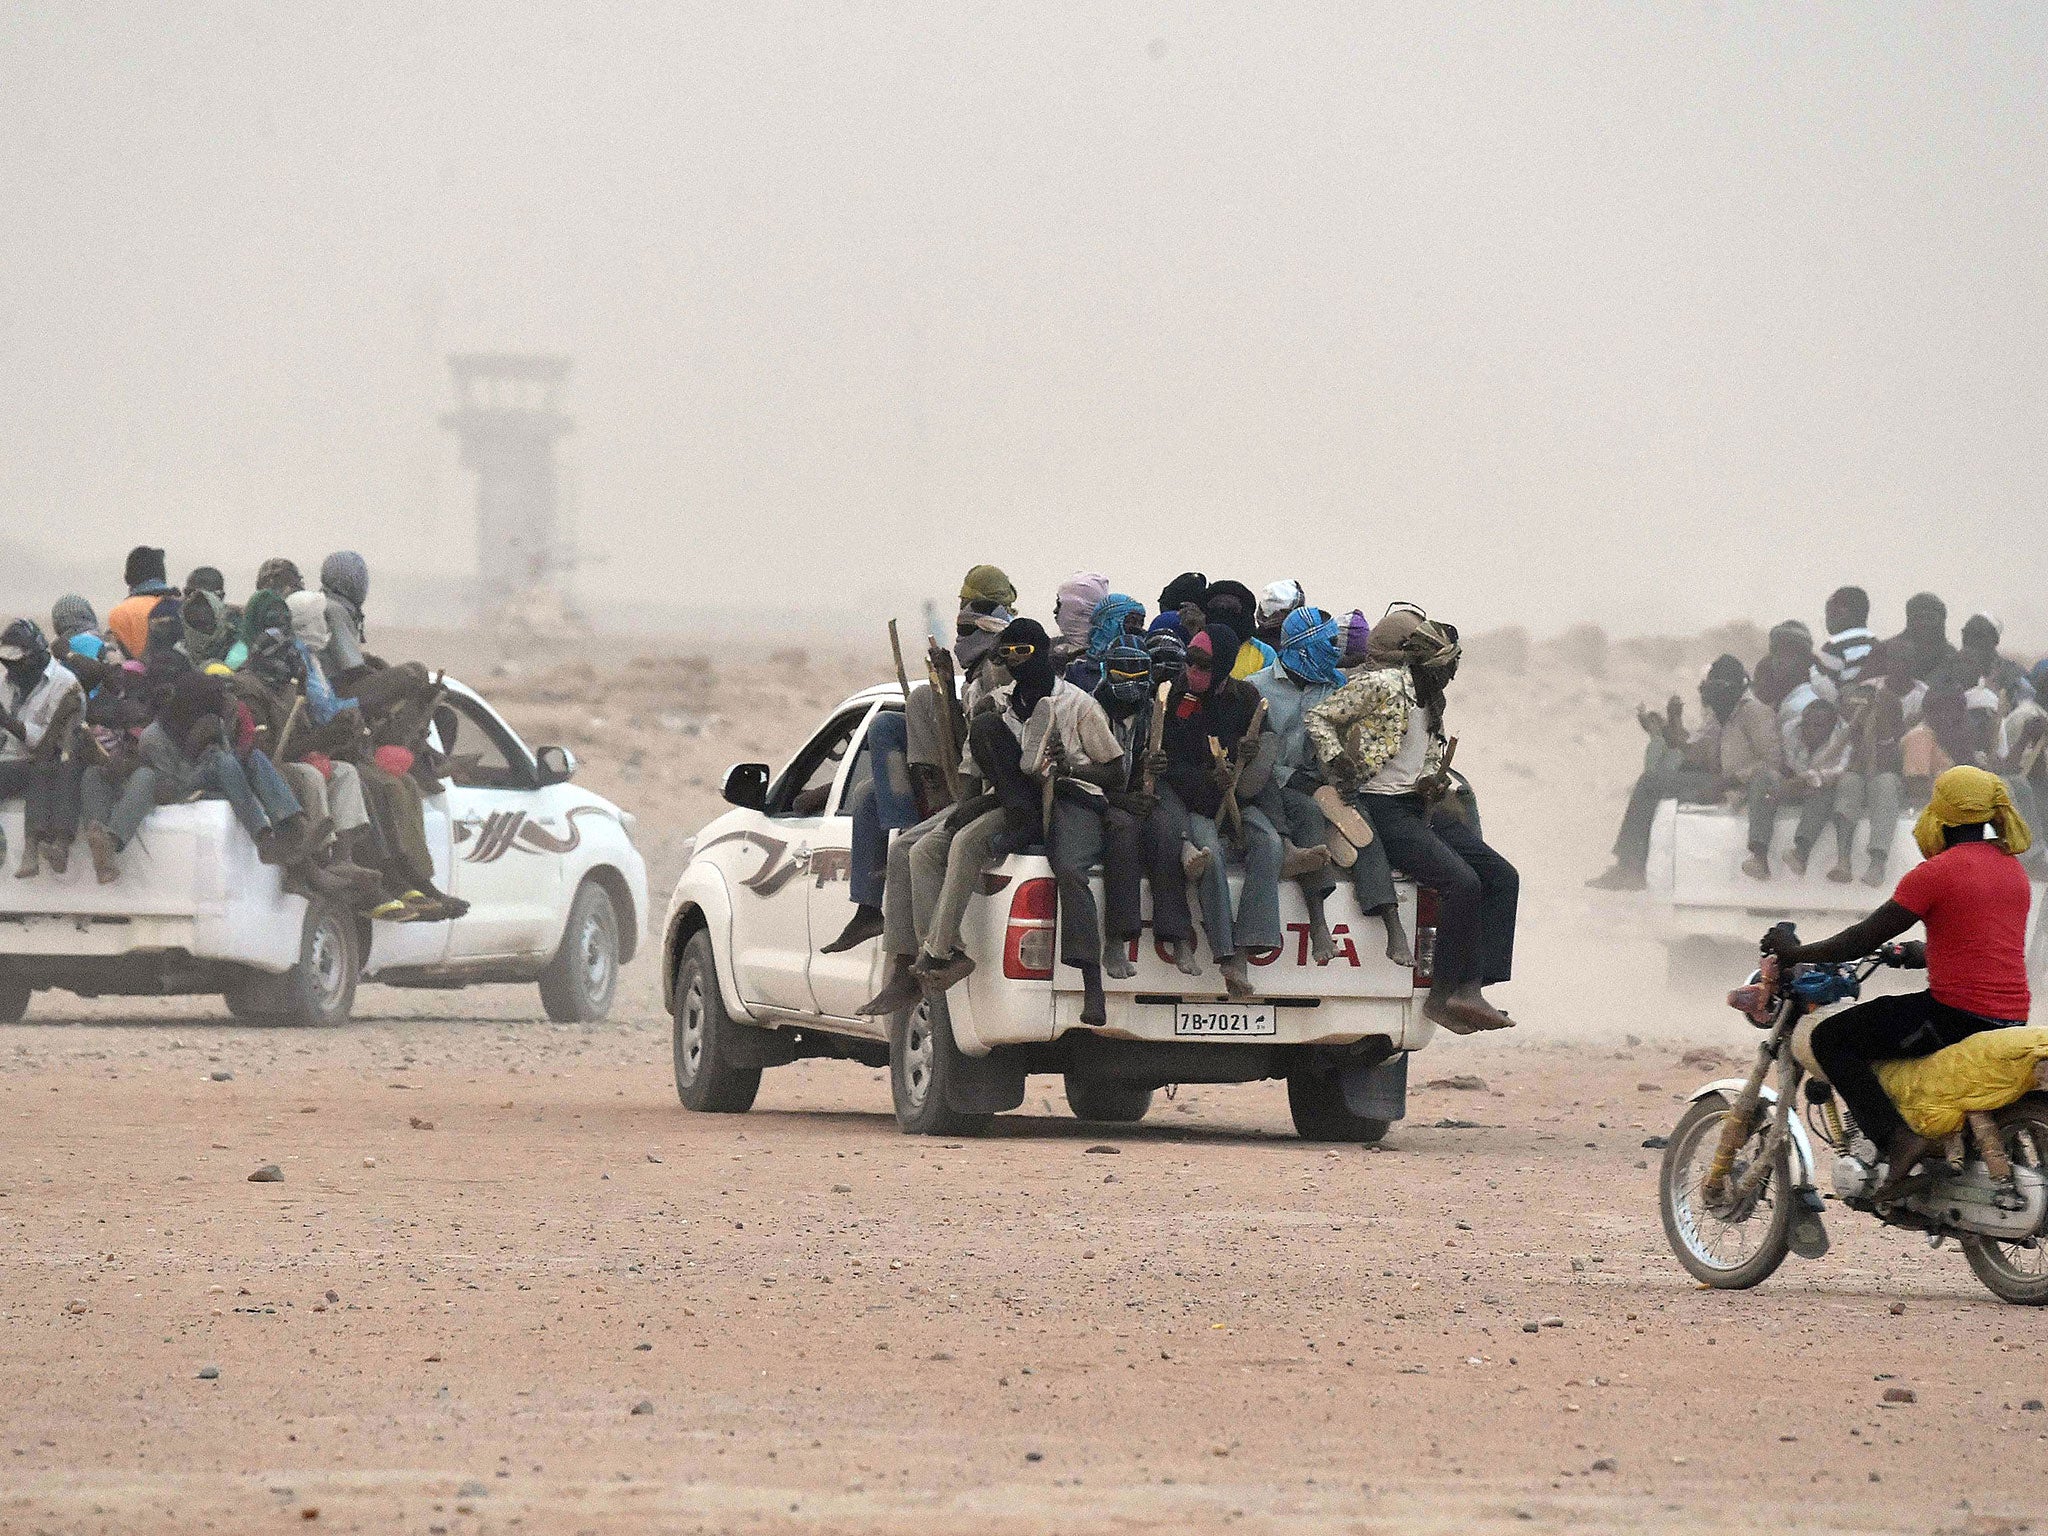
(496, 1237)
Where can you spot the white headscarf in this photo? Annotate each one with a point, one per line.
(309, 618)
(1281, 597)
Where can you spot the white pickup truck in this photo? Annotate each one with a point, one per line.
(765, 885)
(1710, 914)
(557, 895)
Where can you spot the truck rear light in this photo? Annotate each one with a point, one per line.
(1425, 937)
(1028, 939)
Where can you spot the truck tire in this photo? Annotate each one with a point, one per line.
(923, 1061)
(577, 986)
(706, 1079)
(1113, 1103)
(320, 988)
(1316, 1101)
(14, 998)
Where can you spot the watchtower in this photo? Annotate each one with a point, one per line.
(508, 417)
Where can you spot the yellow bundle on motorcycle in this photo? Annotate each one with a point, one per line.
(1987, 1071)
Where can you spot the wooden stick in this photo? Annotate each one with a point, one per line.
(1156, 736)
(284, 737)
(1232, 809)
(938, 666)
(896, 649)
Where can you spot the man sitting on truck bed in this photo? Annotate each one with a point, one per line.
(1207, 720)
(1064, 747)
(1817, 752)
(1142, 833)
(1310, 670)
(1680, 765)
(1381, 742)
(44, 703)
(188, 750)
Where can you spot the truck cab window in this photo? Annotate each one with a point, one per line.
(857, 776)
(805, 787)
(474, 750)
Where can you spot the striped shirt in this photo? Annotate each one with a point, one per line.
(1849, 655)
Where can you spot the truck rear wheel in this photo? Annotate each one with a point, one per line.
(577, 986)
(1113, 1103)
(1316, 1101)
(320, 988)
(923, 1061)
(706, 1079)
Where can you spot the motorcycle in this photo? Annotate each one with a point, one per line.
(1738, 1192)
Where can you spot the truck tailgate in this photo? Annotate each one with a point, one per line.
(183, 859)
(1356, 994)
(190, 880)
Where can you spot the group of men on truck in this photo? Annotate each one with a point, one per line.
(1853, 730)
(1232, 728)
(271, 704)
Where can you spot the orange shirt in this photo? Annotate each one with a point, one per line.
(129, 622)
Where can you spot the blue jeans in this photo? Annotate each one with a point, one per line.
(885, 803)
(253, 786)
(1256, 923)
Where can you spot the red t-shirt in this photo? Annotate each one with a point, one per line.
(1973, 899)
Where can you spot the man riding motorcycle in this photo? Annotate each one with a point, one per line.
(1972, 895)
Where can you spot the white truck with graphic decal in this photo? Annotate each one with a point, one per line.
(557, 895)
(765, 886)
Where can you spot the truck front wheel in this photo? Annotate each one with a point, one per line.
(923, 1061)
(1316, 1101)
(320, 988)
(706, 1079)
(577, 986)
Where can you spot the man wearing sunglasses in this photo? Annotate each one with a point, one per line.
(1137, 836)
(1062, 739)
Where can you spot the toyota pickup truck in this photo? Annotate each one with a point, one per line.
(765, 885)
(557, 895)
(1710, 914)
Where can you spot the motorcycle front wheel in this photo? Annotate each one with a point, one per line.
(2017, 1272)
(1730, 1246)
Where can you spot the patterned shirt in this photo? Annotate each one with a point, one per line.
(1357, 730)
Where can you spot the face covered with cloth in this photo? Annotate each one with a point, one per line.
(1311, 646)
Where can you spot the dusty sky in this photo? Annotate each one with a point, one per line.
(1652, 314)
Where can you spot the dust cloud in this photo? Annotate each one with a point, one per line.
(1649, 318)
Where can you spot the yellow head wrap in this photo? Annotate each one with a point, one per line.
(988, 584)
(1963, 796)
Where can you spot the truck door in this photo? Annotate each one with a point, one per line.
(511, 882)
(772, 937)
(841, 983)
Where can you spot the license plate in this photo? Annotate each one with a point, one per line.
(1226, 1021)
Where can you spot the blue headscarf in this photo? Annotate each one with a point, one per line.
(1110, 622)
(1131, 659)
(1312, 645)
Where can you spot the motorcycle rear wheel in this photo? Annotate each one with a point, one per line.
(1729, 1249)
(2011, 1271)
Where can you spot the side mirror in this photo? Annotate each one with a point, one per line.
(557, 764)
(746, 786)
